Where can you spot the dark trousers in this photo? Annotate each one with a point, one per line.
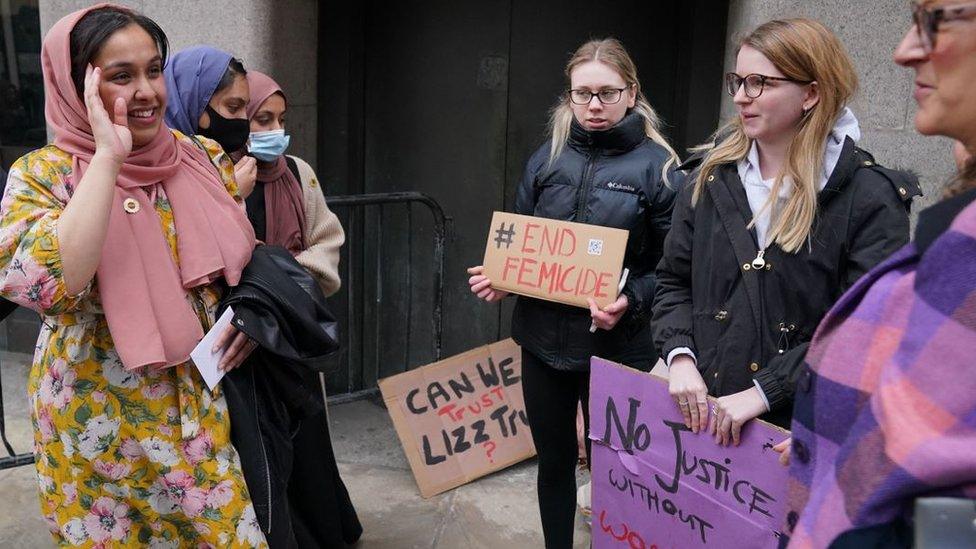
(551, 398)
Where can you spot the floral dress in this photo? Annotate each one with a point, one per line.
(134, 458)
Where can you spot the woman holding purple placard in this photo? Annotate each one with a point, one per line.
(783, 211)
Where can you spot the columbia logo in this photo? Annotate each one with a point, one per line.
(619, 187)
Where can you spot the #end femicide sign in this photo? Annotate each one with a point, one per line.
(657, 484)
(555, 260)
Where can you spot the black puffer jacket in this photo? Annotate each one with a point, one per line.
(746, 324)
(610, 178)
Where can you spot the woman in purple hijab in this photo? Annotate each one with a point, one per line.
(208, 97)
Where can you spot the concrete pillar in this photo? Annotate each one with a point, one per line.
(870, 29)
(279, 37)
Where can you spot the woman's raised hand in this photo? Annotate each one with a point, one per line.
(481, 286)
(246, 174)
(112, 135)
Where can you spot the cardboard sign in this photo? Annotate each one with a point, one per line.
(657, 484)
(554, 260)
(461, 418)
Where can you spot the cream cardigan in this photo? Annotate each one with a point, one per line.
(323, 232)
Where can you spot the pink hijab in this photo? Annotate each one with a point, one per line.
(283, 199)
(143, 291)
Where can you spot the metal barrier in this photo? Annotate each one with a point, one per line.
(356, 205)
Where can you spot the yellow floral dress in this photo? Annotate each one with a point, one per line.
(123, 458)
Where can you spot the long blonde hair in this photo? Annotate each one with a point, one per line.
(612, 53)
(804, 50)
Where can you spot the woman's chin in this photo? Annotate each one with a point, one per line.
(141, 138)
(752, 133)
(928, 122)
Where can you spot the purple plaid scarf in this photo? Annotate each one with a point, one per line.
(886, 411)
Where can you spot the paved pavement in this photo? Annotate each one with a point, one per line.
(21, 525)
(500, 510)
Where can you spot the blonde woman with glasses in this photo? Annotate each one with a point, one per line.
(605, 164)
(782, 213)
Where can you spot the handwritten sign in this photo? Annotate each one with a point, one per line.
(461, 418)
(554, 260)
(657, 484)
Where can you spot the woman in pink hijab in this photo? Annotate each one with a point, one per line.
(121, 234)
(289, 208)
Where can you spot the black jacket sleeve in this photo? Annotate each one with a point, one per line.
(879, 227)
(659, 205)
(525, 194)
(778, 380)
(672, 319)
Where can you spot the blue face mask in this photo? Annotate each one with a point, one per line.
(267, 146)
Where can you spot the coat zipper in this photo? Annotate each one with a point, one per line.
(264, 454)
(584, 191)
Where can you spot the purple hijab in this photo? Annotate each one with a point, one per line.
(192, 75)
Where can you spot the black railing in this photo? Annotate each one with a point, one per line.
(359, 382)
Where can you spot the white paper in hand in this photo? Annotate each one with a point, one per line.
(207, 361)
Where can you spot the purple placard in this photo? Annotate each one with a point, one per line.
(723, 497)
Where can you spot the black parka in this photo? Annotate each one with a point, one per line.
(611, 178)
(745, 323)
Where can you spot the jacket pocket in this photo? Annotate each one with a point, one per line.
(709, 326)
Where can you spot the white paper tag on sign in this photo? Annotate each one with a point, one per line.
(207, 361)
(595, 247)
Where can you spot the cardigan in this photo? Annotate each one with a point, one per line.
(323, 232)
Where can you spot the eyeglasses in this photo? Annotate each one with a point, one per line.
(607, 96)
(754, 83)
(927, 21)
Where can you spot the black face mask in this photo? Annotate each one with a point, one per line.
(230, 133)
